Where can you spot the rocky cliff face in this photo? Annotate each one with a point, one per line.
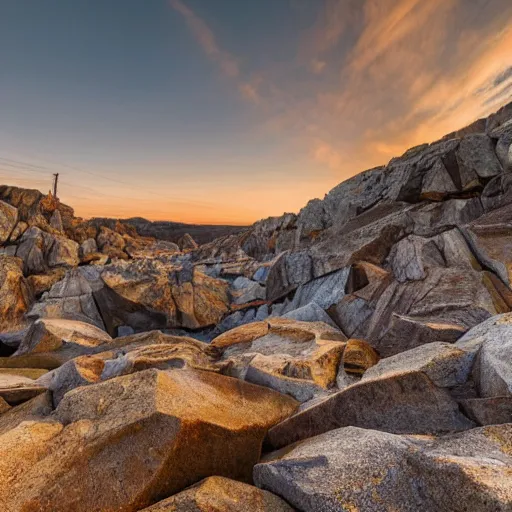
(353, 357)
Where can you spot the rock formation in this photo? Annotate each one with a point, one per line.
(355, 356)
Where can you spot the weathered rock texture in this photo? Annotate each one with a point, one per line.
(368, 338)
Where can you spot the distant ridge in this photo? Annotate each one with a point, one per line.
(173, 231)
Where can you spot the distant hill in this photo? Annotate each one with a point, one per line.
(173, 231)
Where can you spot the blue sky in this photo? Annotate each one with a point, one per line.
(229, 111)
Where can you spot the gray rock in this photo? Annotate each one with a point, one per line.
(498, 192)
(125, 330)
(410, 258)
(367, 470)
(433, 218)
(56, 221)
(369, 237)
(311, 312)
(287, 273)
(244, 290)
(324, 291)
(87, 247)
(33, 246)
(63, 253)
(476, 158)
(446, 365)
(437, 183)
(492, 371)
(399, 403)
(488, 411)
(262, 313)
(448, 300)
(490, 237)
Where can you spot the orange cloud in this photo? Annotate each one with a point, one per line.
(326, 154)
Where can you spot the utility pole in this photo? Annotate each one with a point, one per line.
(55, 181)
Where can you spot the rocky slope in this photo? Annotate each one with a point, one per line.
(354, 357)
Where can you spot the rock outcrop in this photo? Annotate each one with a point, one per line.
(355, 356)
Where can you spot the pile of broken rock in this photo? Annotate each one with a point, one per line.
(354, 357)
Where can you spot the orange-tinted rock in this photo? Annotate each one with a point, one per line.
(129, 441)
(15, 295)
(34, 409)
(296, 358)
(46, 335)
(41, 283)
(15, 389)
(358, 356)
(218, 494)
(4, 406)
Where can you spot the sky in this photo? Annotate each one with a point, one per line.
(228, 111)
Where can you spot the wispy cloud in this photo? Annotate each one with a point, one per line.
(379, 76)
(206, 39)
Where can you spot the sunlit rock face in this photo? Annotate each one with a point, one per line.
(355, 356)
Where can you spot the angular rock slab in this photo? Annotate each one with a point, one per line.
(352, 469)
(406, 402)
(129, 355)
(488, 411)
(490, 237)
(123, 444)
(15, 389)
(48, 334)
(218, 494)
(445, 364)
(492, 371)
(72, 298)
(448, 302)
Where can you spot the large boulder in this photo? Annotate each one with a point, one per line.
(367, 470)
(296, 358)
(15, 295)
(46, 335)
(218, 494)
(8, 221)
(72, 298)
(441, 307)
(407, 402)
(446, 365)
(492, 370)
(148, 294)
(490, 237)
(63, 253)
(32, 248)
(139, 435)
(128, 355)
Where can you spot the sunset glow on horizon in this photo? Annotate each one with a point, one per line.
(225, 112)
